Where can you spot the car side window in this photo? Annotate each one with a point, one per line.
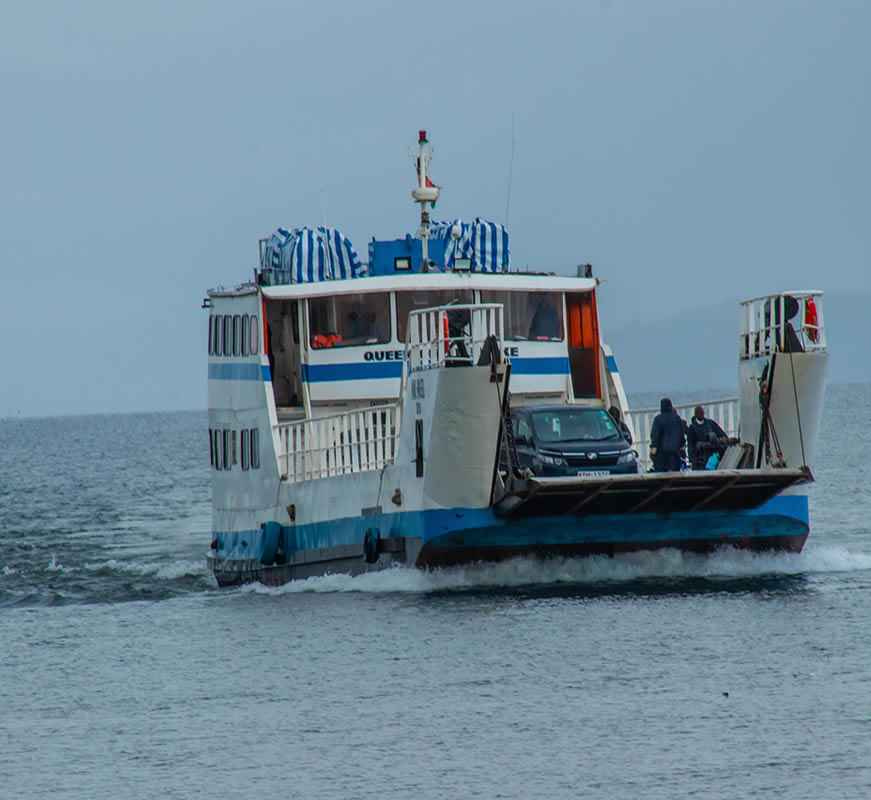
(522, 433)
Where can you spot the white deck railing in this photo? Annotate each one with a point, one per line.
(724, 412)
(765, 326)
(355, 441)
(452, 334)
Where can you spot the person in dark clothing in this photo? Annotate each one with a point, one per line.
(356, 325)
(704, 430)
(666, 438)
(622, 426)
(545, 322)
(459, 326)
(785, 336)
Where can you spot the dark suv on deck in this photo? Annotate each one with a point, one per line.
(570, 440)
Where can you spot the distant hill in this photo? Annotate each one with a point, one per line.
(698, 349)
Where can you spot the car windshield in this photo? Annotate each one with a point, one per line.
(573, 425)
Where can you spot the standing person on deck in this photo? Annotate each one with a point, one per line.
(667, 438)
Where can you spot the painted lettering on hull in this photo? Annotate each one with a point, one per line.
(383, 355)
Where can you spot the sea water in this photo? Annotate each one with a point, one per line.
(125, 672)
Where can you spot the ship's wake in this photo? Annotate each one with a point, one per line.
(668, 568)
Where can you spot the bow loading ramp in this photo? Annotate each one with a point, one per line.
(652, 492)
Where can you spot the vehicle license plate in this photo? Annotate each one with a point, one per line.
(593, 473)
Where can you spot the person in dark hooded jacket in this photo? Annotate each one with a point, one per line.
(667, 438)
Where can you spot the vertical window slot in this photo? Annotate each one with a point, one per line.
(418, 447)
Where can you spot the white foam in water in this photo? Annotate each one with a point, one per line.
(9, 570)
(171, 571)
(728, 563)
(54, 566)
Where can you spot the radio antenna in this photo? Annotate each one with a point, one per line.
(510, 171)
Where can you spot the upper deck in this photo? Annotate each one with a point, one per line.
(332, 330)
(339, 344)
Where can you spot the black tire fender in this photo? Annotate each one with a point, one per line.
(370, 545)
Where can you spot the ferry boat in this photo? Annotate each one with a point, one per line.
(363, 415)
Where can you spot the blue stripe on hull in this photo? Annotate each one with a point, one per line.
(366, 370)
(231, 371)
(372, 370)
(555, 365)
(457, 535)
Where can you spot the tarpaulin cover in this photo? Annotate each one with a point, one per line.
(307, 255)
(484, 243)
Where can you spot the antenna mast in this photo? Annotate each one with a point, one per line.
(425, 192)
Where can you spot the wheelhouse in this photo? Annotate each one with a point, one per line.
(341, 344)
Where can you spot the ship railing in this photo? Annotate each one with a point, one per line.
(451, 335)
(724, 412)
(786, 322)
(340, 444)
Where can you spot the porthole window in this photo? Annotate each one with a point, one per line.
(227, 464)
(217, 449)
(228, 334)
(218, 336)
(255, 448)
(237, 335)
(244, 446)
(244, 334)
(254, 338)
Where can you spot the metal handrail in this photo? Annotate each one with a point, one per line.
(765, 328)
(339, 444)
(430, 343)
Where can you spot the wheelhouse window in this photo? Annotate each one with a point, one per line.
(530, 316)
(348, 320)
(254, 338)
(228, 334)
(237, 335)
(218, 335)
(211, 333)
(244, 334)
(406, 302)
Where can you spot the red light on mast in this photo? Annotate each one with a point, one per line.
(422, 137)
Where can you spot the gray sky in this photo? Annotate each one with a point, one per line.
(690, 150)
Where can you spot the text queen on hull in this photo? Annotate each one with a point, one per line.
(360, 415)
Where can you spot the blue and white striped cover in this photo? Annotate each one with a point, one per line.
(484, 243)
(306, 255)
